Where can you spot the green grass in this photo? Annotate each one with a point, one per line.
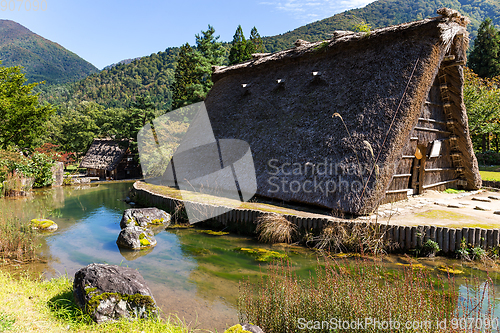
(6, 322)
(28, 305)
(490, 175)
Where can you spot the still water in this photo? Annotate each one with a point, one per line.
(191, 274)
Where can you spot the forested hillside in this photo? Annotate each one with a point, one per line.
(42, 59)
(384, 13)
(118, 85)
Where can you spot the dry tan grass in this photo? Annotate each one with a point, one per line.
(354, 237)
(274, 228)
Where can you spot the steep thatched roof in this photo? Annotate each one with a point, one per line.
(103, 154)
(377, 83)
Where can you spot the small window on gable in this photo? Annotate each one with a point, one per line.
(436, 148)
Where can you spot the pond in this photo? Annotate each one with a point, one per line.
(191, 274)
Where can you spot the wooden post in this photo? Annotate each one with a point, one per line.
(439, 237)
(446, 240)
(496, 236)
(472, 237)
(433, 233)
(407, 238)
(489, 238)
(452, 239)
(414, 236)
(483, 238)
(421, 171)
(402, 237)
(477, 238)
(458, 238)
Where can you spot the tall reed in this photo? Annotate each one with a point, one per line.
(354, 292)
(17, 239)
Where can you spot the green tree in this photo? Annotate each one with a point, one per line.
(143, 112)
(240, 50)
(482, 101)
(23, 117)
(194, 68)
(185, 76)
(485, 56)
(256, 45)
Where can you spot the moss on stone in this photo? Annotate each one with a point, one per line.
(157, 221)
(236, 329)
(135, 299)
(41, 224)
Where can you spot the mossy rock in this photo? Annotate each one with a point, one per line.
(110, 292)
(44, 225)
(144, 217)
(136, 238)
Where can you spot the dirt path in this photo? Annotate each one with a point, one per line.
(467, 209)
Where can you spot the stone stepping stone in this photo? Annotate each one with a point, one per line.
(482, 208)
(440, 203)
(494, 197)
(481, 199)
(455, 206)
(497, 212)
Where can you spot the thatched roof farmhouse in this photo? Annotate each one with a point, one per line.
(357, 120)
(107, 160)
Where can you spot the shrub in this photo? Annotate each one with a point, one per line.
(356, 237)
(489, 157)
(274, 228)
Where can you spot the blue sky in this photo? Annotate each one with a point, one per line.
(107, 31)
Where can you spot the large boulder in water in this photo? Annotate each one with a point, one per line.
(144, 217)
(110, 292)
(136, 238)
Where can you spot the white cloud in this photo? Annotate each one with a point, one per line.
(308, 11)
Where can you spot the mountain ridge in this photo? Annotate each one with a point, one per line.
(42, 59)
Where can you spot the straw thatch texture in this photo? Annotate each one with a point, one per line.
(103, 154)
(282, 105)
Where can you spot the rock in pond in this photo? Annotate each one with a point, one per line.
(136, 238)
(144, 217)
(110, 292)
(43, 225)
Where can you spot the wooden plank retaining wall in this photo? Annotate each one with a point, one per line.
(407, 237)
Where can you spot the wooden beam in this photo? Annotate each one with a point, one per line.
(398, 191)
(432, 121)
(439, 169)
(435, 104)
(425, 129)
(454, 64)
(402, 175)
(440, 183)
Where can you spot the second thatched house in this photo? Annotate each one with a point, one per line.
(357, 120)
(107, 160)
